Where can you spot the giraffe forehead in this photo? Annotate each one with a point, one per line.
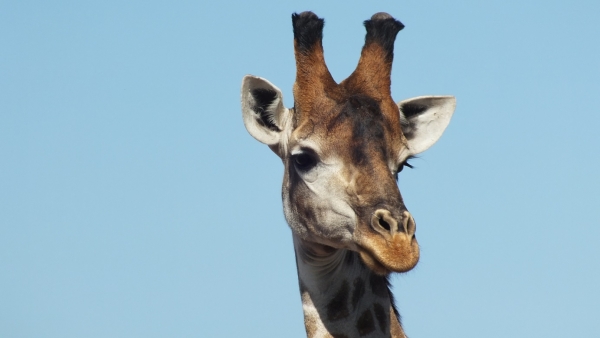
(357, 126)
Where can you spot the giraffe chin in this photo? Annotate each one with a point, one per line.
(383, 257)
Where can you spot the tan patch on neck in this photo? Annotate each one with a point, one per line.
(311, 318)
(396, 330)
(310, 323)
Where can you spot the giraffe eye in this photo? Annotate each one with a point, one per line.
(304, 161)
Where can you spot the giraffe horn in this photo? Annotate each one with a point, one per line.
(312, 76)
(372, 75)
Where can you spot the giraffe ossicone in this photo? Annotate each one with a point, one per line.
(342, 146)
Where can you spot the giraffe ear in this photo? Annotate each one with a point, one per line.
(263, 110)
(424, 119)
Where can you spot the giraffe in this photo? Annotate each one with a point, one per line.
(342, 146)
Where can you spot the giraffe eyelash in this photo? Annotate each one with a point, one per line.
(404, 164)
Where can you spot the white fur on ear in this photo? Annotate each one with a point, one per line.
(424, 119)
(263, 111)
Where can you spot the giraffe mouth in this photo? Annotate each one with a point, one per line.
(400, 254)
(373, 264)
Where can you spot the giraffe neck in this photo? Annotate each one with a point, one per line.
(341, 297)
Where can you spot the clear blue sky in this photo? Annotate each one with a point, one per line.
(133, 203)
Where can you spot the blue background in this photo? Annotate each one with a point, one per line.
(133, 203)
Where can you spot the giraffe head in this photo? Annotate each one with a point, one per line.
(343, 145)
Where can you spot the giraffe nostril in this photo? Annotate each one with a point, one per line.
(409, 224)
(384, 224)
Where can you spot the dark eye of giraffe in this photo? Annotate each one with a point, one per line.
(304, 161)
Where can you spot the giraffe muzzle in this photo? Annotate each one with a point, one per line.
(390, 244)
(384, 223)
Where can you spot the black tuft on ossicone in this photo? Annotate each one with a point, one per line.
(382, 28)
(308, 30)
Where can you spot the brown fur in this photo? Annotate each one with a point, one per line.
(342, 146)
(357, 122)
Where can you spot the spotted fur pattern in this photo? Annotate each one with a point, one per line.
(342, 297)
(342, 146)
